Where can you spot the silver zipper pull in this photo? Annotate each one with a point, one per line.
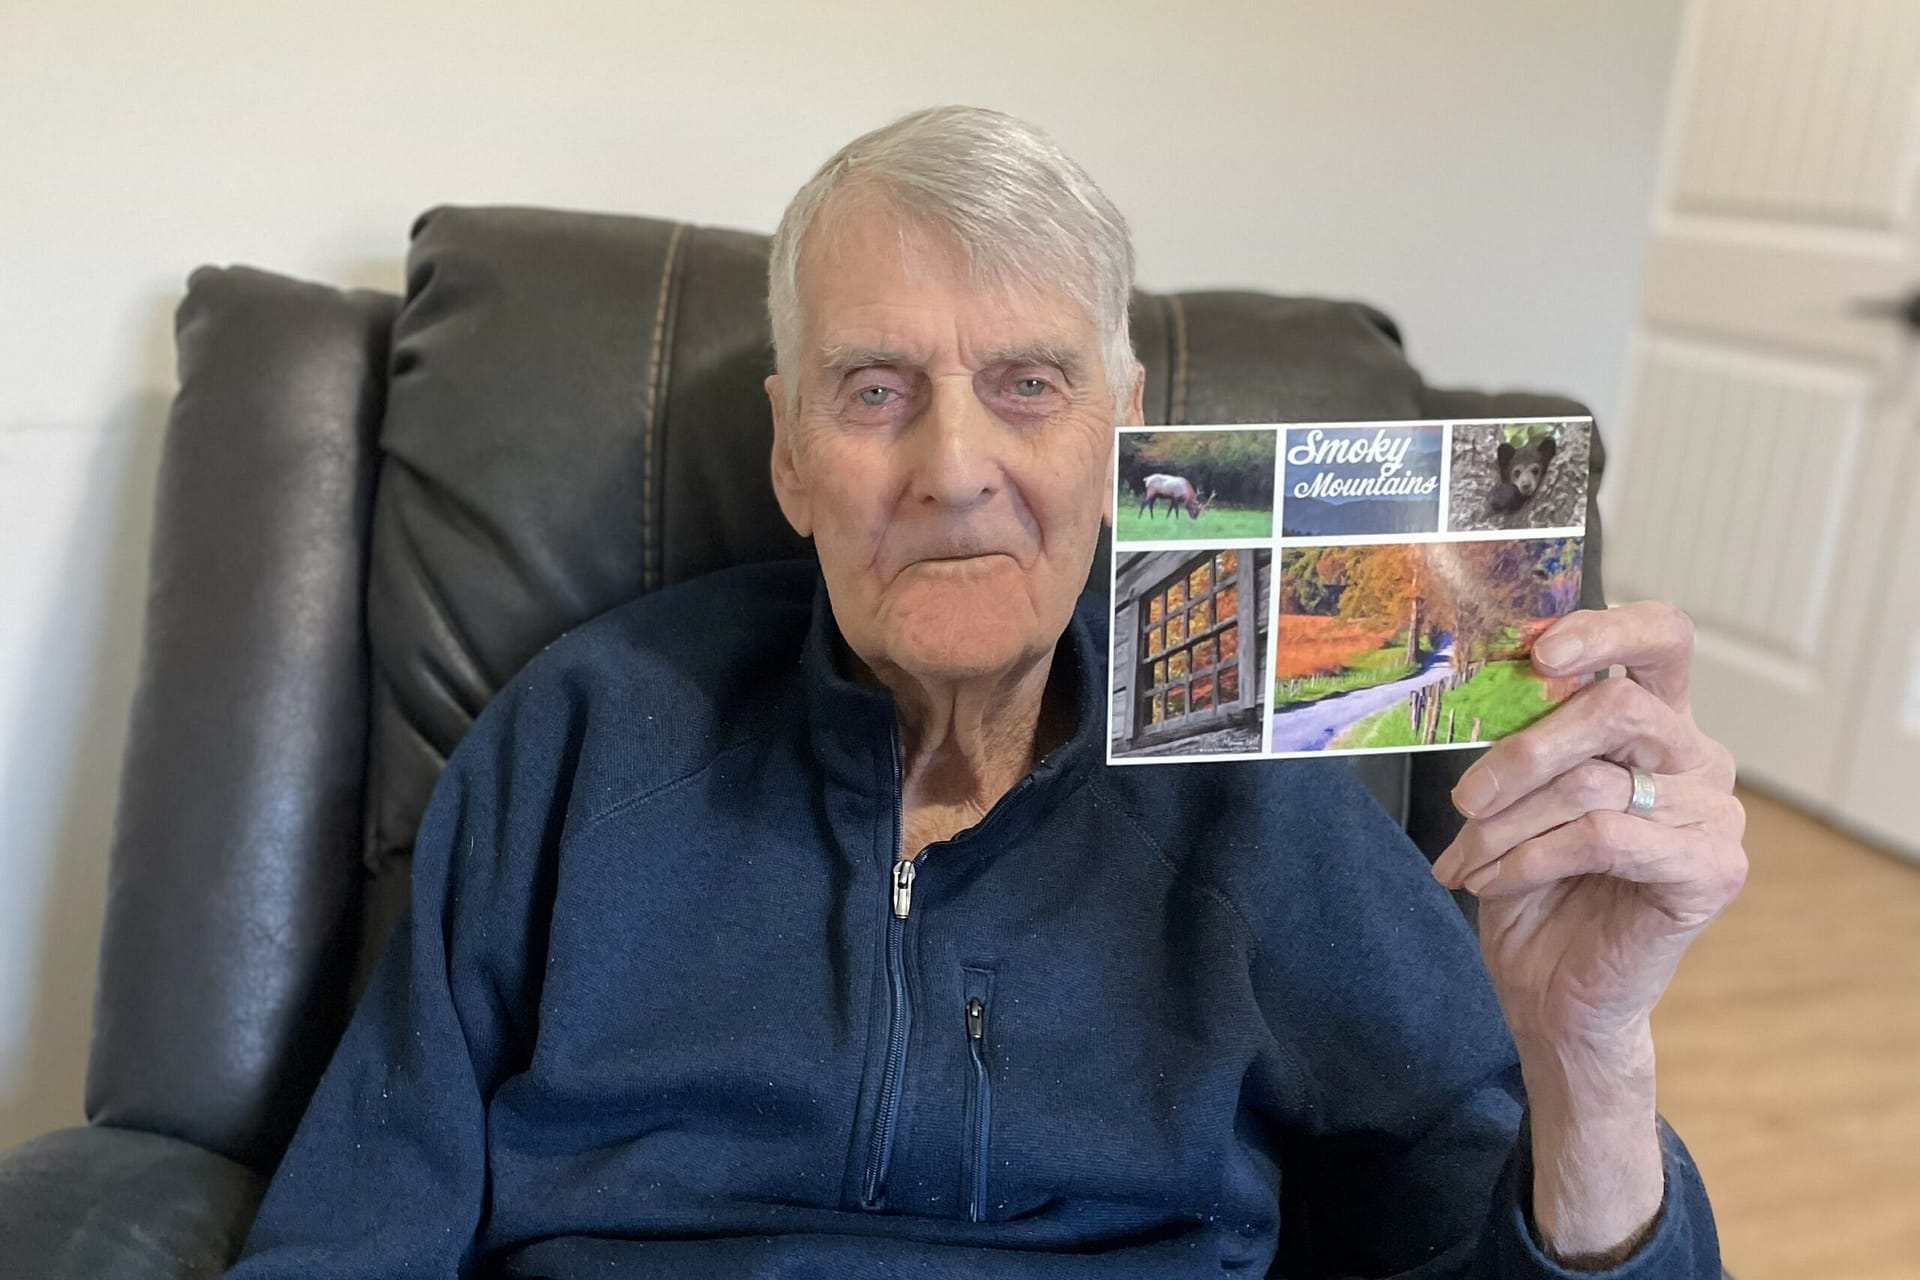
(902, 888)
(976, 1019)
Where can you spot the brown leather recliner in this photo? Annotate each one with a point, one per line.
(371, 512)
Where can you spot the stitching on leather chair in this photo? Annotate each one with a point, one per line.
(1162, 387)
(1179, 312)
(650, 414)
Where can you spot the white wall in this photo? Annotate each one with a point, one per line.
(1480, 168)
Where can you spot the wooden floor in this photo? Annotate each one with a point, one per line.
(1790, 1056)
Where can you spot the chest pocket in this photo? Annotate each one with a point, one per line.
(1087, 1092)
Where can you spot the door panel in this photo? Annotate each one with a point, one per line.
(1763, 482)
(1798, 111)
(1757, 518)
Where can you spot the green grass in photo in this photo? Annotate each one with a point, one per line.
(1505, 695)
(1218, 523)
(1382, 666)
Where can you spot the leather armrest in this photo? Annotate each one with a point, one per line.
(119, 1204)
(235, 874)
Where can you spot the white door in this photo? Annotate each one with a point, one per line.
(1879, 791)
(1767, 467)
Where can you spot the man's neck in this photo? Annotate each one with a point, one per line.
(964, 744)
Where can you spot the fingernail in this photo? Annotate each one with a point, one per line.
(1483, 877)
(1475, 791)
(1555, 650)
(1444, 864)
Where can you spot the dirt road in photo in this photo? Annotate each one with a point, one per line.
(1312, 727)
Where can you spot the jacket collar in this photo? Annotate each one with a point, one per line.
(855, 735)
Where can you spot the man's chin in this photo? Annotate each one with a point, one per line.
(961, 618)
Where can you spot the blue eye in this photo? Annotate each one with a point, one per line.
(875, 395)
(1030, 387)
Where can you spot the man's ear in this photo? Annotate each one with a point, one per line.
(788, 489)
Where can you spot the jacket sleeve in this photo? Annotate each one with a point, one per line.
(1409, 1152)
(387, 1173)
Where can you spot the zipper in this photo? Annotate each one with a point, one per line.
(979, 1098)
(886, 1120)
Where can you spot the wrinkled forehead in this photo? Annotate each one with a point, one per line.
(869, 264)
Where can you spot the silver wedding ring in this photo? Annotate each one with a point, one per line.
(1642, 802)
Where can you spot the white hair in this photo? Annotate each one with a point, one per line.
(1017, 206)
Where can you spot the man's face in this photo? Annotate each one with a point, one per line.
(947, 452)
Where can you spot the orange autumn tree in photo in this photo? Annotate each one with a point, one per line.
(1391, 585)
(1492, 597)
(1316, 646)
(1495, 597)
(1336, 604)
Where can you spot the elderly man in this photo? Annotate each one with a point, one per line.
(787, 922)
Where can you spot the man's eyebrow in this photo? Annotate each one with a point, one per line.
(839, 357)
(1061, 357)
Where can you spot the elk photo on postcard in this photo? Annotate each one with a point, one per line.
(1422, 644)
(1195, 485)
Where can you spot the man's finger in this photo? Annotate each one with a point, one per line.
(1653, 640)
(1614, 720)
(1592, 786)
(1617, 844)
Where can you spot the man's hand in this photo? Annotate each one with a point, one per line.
(1585, 909)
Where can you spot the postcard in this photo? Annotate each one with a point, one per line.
(1300, 589)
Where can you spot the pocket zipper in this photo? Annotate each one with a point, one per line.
(982, 1108)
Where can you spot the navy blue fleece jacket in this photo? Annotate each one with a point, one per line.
(664, 1006)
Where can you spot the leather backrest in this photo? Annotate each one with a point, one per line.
(555, 378)
(229, 928)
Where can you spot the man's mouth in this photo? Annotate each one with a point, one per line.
(959, 559)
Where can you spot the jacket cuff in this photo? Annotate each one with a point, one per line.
(1683, 1244)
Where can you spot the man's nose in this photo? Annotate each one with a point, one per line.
(956, 460)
